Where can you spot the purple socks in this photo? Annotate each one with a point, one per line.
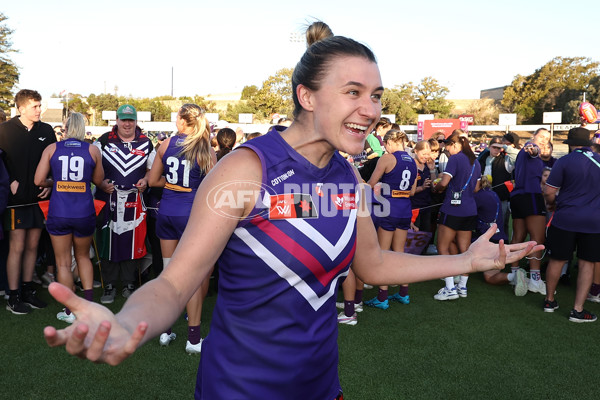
(194, 334)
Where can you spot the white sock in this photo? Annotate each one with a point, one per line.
(564, 268)
(449, 282)
(511, 276)
(535, 274)
(463, 281)
(166, 262)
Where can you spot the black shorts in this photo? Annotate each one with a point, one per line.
(27, 217)
(457, 223)
(527, 204)
(560, 244)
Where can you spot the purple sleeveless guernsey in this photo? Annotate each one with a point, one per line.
(274, 327)
(72, 168)
(400, 181)
(182, 181)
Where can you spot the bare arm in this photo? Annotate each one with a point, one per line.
(98, 335)
(98, 173)
(383, 166)
(550, 197)
(155, 177)
(43, 169)
(378, 267)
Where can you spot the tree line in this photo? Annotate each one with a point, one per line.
(558, 85)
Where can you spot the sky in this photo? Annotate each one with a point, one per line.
(148, 48)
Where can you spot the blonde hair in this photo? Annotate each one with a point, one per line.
(75, 126)
(396, 136)
(485, 182)
(196, 146)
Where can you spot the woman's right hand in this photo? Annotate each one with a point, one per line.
(96, 333)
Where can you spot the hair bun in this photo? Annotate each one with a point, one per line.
(317, 31)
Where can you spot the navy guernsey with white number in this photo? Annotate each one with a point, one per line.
(72, 168)
(182, 180)
(400, 181)
(274, 327)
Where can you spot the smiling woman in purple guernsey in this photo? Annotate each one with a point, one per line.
(283, 249)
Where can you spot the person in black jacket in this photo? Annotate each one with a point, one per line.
(23, 139)
(495, 163)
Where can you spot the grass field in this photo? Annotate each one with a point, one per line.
(491, 345)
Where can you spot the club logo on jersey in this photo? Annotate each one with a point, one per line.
(138, 152)
(292, 205)
(344, 201)
(72, 187)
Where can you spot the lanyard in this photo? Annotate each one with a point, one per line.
(470, 176)
(588, 154)
(497, 210)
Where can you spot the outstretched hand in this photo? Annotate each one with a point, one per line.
(96, 333)
(486, 255)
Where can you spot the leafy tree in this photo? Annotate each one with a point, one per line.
(207, 105)
(399, 101)
(76, 103)
(9, 73)
(430, 98)
(233, 111)
(248, 92)
(555, 86)
(484, 111)
(102, 102)
(275, 95)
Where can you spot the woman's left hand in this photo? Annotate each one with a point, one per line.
(485, 255)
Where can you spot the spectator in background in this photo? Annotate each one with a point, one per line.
(511, 145)
(496, 164)
(546, 155)
(527, 204)
(253, 135)
(88, 137)
(226, 139)
(126, 156)
(58, 132)
(239, 136)
(576, 220)
(421, 200)
(23, 139)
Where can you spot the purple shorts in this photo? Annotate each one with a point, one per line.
(393, 223)
(170, 228)
(79, 227)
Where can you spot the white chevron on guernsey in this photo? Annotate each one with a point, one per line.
(284, 272)
(125, 163)
(330, 249)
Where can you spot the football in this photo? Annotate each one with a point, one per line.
(588, 112)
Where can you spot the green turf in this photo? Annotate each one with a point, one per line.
(491, 345)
